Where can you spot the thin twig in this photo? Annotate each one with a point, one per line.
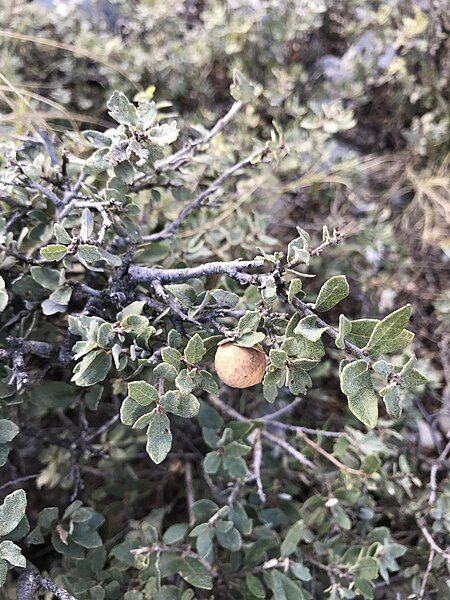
(273, 439)
(197, 202)
(178, 158)
(190, 498)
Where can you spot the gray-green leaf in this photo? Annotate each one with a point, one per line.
(356, 384)
(159, 436)
(333, 291)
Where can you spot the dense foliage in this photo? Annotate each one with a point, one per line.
(263, 178)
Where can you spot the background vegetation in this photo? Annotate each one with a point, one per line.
(255, 118)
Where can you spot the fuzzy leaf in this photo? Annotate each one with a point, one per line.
(12, 553)
(159, 436)
(307, 327)
(142, 392)
(53, 252)
(194, 350)
(356, 384)
(389, 329)
(12, 511)
(180, 404)
(121, 109)
(333, 291)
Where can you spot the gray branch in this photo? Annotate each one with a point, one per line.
(232, 268)
(30, 581)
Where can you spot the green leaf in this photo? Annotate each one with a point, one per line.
(242, 88)
(307, 327)
(180, 404)
(171, 356)
(388, 329)
(366, 568)
(8, 431)
(96, 138)
(89, 253)
(3, 300)
(121, 109)
(12, 553)
(249, 322)
(295, 289)
(296, 533)
(3, 572)
(61, 235)
(255, 587)
(186, 380)
(92, 369)
(345, 327)
(53, 252)
(146, 114)
(298, 379)
(175, 533)
(207, 382)
(46, 277)
(412, 378)
(300, 571)
(229, 539)
(333, 291)
(62, 295)
(356, 384)
(159, 436)
(361, 331)
(194, 350)
(282, 587)
(277, 357)
(251, 339)
(371, 464)
(392, 400)
(194, 573)
(12, 511)
(142, 392)
(131, 411)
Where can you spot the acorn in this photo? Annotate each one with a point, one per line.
(240, 367)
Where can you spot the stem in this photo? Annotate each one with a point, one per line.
(232, 268)
(30, 581)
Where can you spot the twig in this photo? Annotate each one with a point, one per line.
(213, 187)
(178, 158)
(434, 470)
(282, 411)
(190, 498)
(30, 581)
(102, 428)
(257, 461)
(273, 439)
(14, 482)
(423, 585)
(429, 538)
(307, 430)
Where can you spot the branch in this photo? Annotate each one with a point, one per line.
(43, 349)
(232, 268)
(178, 158)
(429, 538)
(30, 581)
(273, 439)
(213, 187)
